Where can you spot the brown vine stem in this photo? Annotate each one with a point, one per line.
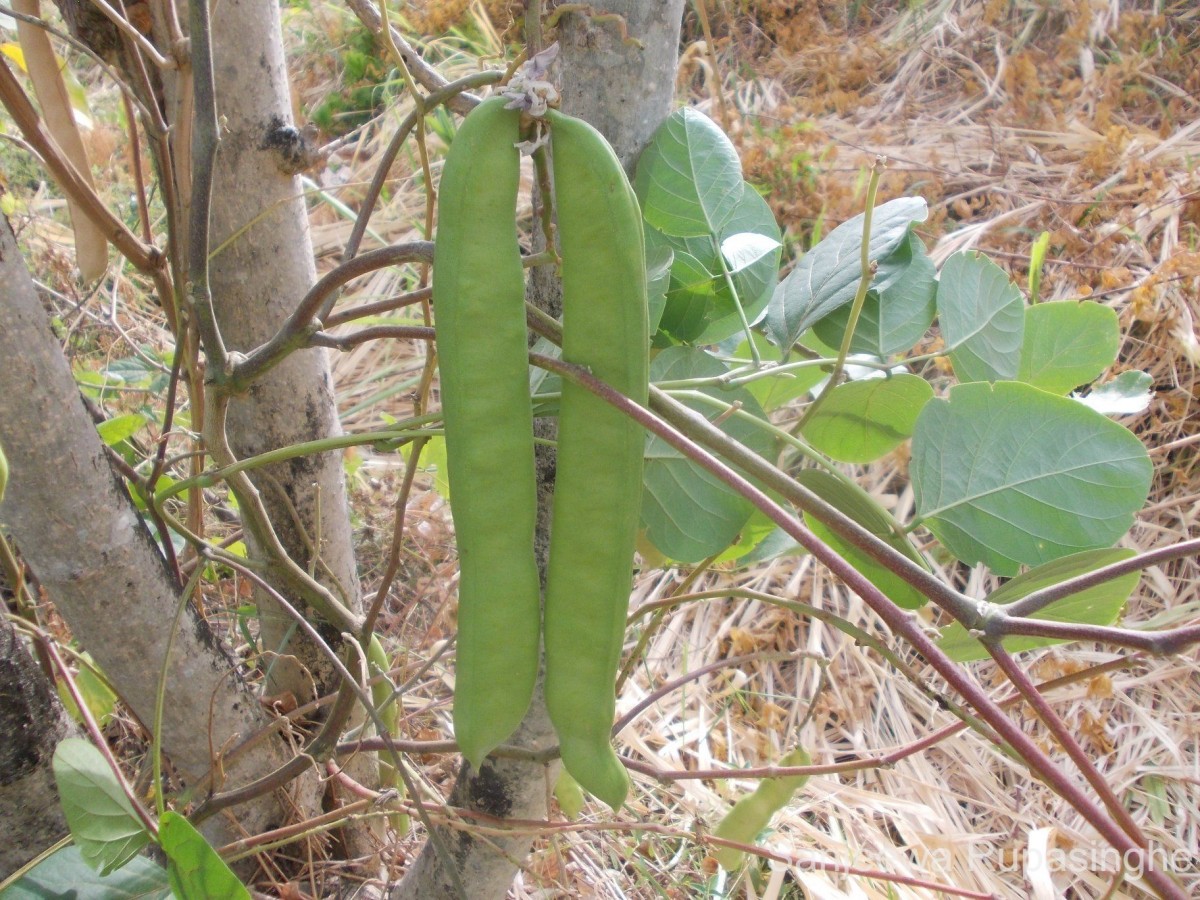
(860, 636)
(297, 329)
(93, 729)
(1066, 740)
(145, 257)
(900, 622)
(412, 298)
(205, 134)
(323, 744)
(1038, 600)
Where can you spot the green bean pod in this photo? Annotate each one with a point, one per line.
(479, 308)
(388, 708)
(598, 485)
(752, 813)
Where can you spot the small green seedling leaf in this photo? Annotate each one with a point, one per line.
(827, 277)
(1037, 259)
(120, 428)
(100, 816)
(100, 699)
(982, 316)
(689, 177)
(1007, 474)
(433, 461)
(895, 317)
(1067, 344)
(1126, 395)
(750, 815)
(860, 421)
(688, 513)
(66, 874)
(195, 870)
(1099, 605)
(854, 502)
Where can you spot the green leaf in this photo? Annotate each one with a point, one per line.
(860, 421)
(754, 282)
(120, 428)
(689, 514)
(433, 462)
(1099, 605)
(827, 277)
(758, 528)
(773, 391)
(1067, 344)
(659, 258)
(858, 505)
(194, 868)
(689, 177)
(97, 695)
(65, 874)
(1007, 474)
(689, 298)
(982, 316)
(893, 318)
(100, 816)
(745, 248)
(1037, 259)
(700, 307)
(1125, 395)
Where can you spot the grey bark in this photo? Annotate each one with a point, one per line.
(32, 722)
(263, 269)
(78, 531)
(625, 92)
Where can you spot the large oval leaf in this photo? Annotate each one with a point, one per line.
(700, 306)
(893, 317)
(828, 275)
(689, 177)
(100, 816)
(982, 316)
(690, 514)
(1007, 474)
(1099, 605)
(860, 421)
(1067, 344)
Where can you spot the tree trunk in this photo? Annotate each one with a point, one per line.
(78, 531)
(625, 92)
(263, 268)
(32, 722)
